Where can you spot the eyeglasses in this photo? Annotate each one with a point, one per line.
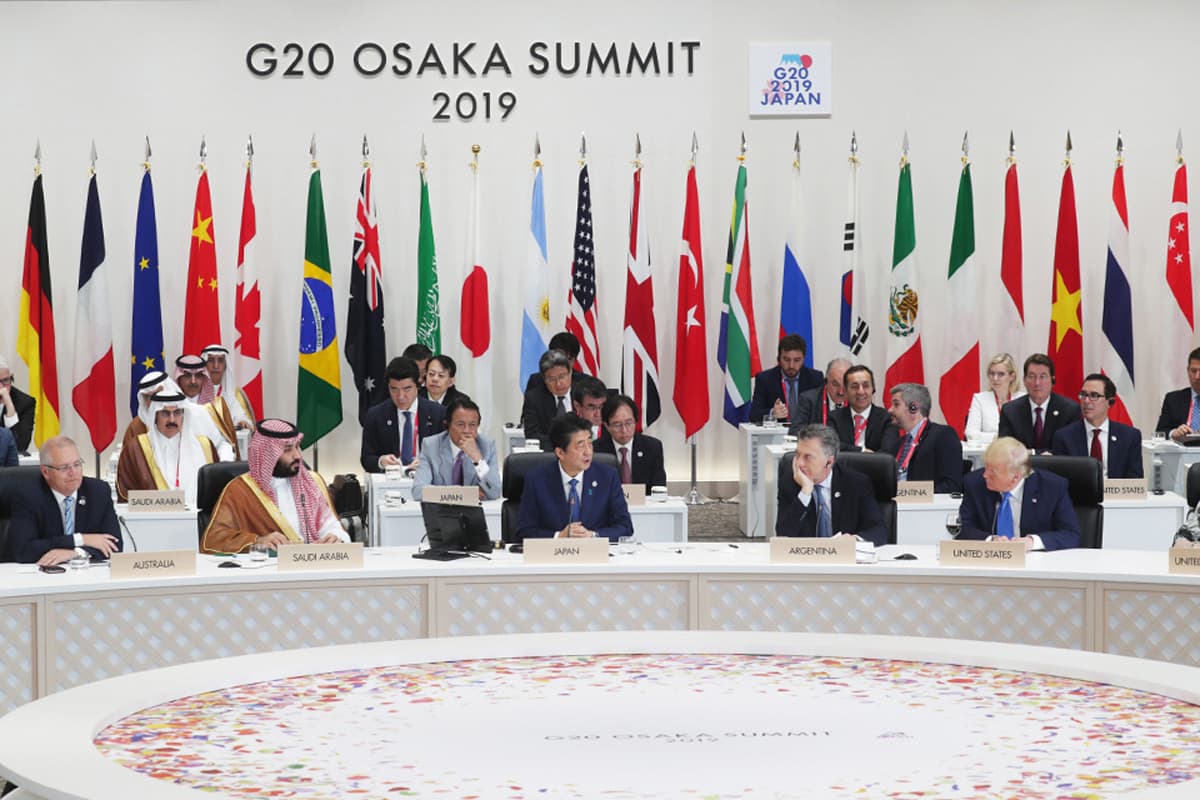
(6, 381)
(629, 423)
(65, 468)
(1090, 396)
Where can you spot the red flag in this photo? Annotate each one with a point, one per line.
(247, 350)
(639, 350)
(476, 321)
(1010, 258)
(691, 332)
(201, 311)
(1178, 322)
(1065, 347)
(35, 326)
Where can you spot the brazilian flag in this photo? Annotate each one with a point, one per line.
(319, 389)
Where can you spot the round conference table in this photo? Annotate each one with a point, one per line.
(629, 715)
(65, 630)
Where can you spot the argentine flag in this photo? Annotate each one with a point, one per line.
(535, 324)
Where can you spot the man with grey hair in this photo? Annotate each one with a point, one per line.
(924, 450)
(16, 408)
(816, 406)
(1007, 499)
(819, 497)
(548, 398)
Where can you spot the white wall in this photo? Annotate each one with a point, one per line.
(115, 72)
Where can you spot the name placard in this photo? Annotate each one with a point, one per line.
(1184, 561)
(914, 492)
(805, 550)
(635, 493)
(451, 495)
(142, 501)
(309, 557)
(566, 551)
(154, 564)
(1124, 488)
(982, 554)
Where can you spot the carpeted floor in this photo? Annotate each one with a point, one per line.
(714, 522)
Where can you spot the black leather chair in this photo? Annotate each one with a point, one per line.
(1193, 485)
(13, 480)
(880, 468)
(512, 486)
(1085, 484)
(211, 480)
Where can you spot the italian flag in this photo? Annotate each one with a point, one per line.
(905, 364)
(961, 379)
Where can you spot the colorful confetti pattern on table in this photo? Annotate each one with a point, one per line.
(389, 732)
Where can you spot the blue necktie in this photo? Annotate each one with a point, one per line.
(824, 521)
(1194, 422)
(69, 516)
(573, 500)
(406, 443)
(1004, 517)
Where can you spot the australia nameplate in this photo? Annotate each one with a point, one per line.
(1184, 561)
(310, 557)
(1124, 488)
(803, 550)
(635, 494)
(156, 564)
(143, 501)
(955, 553)
(914, 492)
(566, 551)
(451, 495)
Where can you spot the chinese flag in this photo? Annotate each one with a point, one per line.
(201, 314)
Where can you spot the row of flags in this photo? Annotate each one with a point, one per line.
(738, 357)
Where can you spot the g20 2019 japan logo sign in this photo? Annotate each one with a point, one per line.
(790, 79)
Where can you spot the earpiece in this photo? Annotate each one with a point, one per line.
(912, 408)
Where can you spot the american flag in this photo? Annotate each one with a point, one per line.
(581, 298)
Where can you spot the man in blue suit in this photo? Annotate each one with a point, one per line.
(777, 390)
(62, 513)
(393, 429)
(1008, 500)
(573, 497)
(8, 449)
(1118, 447)
(461, 456)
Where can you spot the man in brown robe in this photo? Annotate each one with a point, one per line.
(277, 502)
(191, 374)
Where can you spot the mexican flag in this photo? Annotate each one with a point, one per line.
(905, 364)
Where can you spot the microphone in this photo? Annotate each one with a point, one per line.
(128, 533)
(996, 515)
(1158, 469)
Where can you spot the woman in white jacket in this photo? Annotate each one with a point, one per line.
(984, 417)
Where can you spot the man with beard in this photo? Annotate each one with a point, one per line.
(277, 502)
(777, 390)
(191, 376)
(169, 455)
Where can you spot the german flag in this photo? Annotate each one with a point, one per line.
(35, 329)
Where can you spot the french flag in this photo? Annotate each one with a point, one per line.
(1117, 357)
(95, 390)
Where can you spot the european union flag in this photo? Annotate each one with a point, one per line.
(146, 343)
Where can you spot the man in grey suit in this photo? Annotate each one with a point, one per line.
(460, 456)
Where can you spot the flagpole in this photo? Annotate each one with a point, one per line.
(694, 496)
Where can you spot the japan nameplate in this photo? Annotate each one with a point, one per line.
(563, 550)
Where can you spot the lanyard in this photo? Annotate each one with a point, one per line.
(912, 448)
(824, 408)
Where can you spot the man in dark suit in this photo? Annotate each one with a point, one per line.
(573, 497)
(588, 396)
(639, 457)
(62, 513)
(1007, 499)
(860, 424)
(565, 342)
(1035, 418)
(8, 449)
(777, 390)
(1117, 446)
(1180, 413)
(549, 398)
(17, 409)
(818, 497)
(440, 374)
(924, 450)
(816, 406)
(393, 429)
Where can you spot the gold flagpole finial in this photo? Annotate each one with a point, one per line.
(1179, 146)
(312, 152)
(742, 150)
(537, 151)
(37, 158)
(1012, 148)
(904, 150)
(966, 149)
(582, 149)
(424, 155)
(366, 153)
(1120, 148)
(146, 161)
(1067, 158)
(796, 151)
(92, 168)
(695, 150)
(637, 150)
(475, 158)
(203, 153)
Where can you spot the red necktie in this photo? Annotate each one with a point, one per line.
(860, 425)
(1037, 429)
(626, 471)
(1097, 452)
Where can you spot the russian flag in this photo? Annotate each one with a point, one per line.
(1117, 357)
(795, 307)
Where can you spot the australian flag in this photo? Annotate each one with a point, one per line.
(366, 349)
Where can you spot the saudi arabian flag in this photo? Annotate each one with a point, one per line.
(961, 354)
(319, 388)
(905, 363)
(429, 320)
